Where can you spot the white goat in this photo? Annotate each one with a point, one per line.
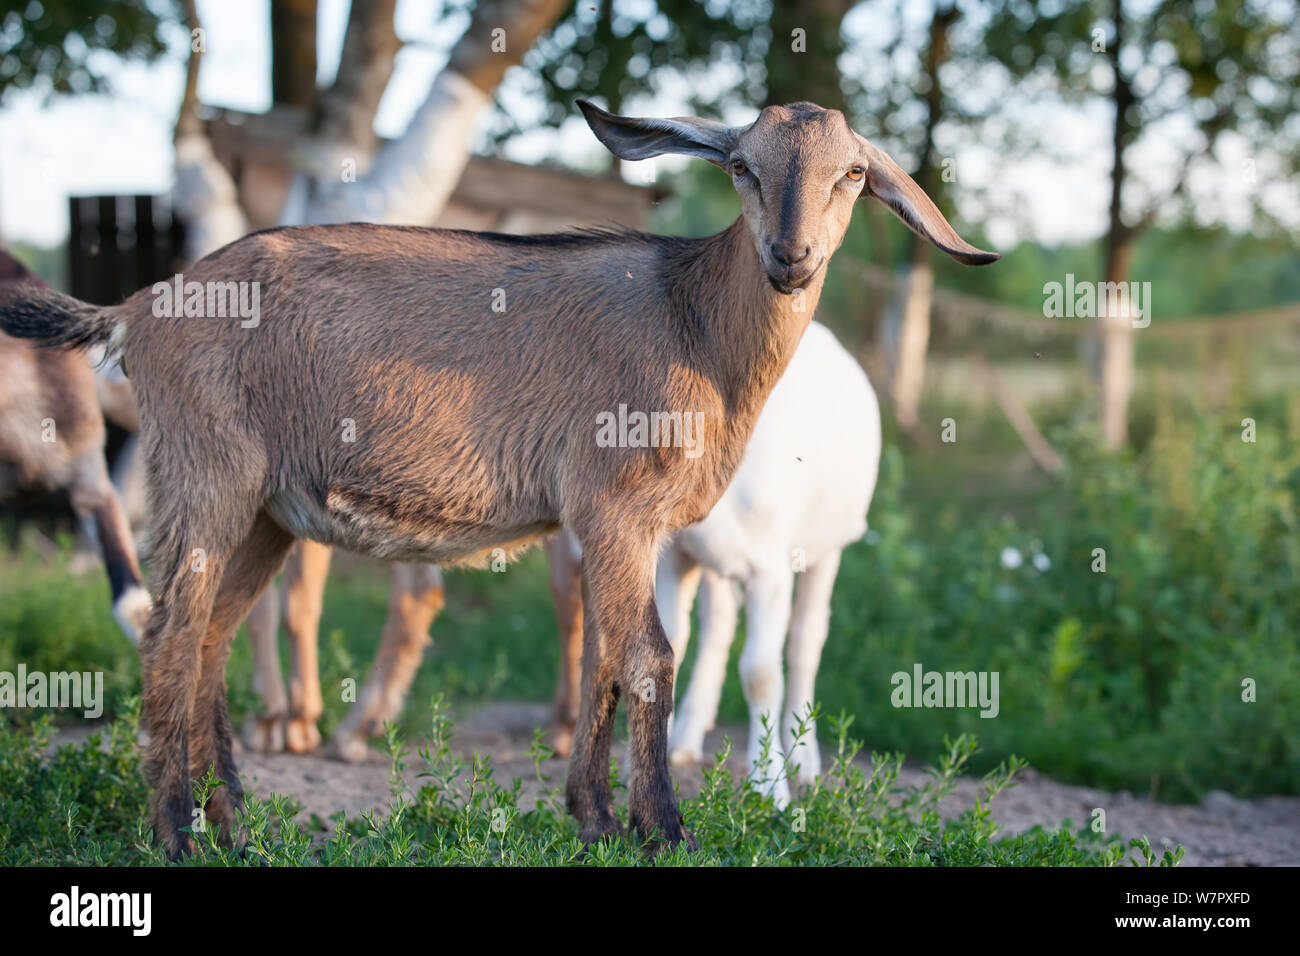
(799, 498)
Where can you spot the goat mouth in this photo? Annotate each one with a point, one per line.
(789, 285)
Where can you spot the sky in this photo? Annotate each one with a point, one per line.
(121, 144)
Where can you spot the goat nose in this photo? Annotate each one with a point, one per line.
(790, 253)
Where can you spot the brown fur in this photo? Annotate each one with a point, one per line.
(475, 429)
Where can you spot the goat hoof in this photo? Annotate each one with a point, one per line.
(349, 748)
(301, 735)
(264, 734)
(179, 844)
(600, 830)
(685, 756)
(670, 832)
(561, 739)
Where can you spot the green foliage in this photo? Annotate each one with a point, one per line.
(1129, 678)
(1214, 66)
(62, 622)
(87, 805)
(615, 51)
(56, 45)
(79, 806)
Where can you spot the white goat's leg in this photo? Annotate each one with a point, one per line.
(809, 625)
(676, 580)
(698, 711)
(265, 731)
(767, 606)
(414, 600)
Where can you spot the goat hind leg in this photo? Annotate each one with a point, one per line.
(264, 732)
(247, 574)
(101, 511)
(565, 559)
(169, 667)
(305, 574)
(414, 600)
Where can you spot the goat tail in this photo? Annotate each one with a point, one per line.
(30, 311)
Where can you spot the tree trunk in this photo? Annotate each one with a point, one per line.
(1117, 330)
(293, 53)
(914, 336)
(913, 342)
(204, 196)
(812, 74)
(345, 113)
(1117, 355)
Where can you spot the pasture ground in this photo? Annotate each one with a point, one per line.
(1221, 830)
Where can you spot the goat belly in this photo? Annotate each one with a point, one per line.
(403, 530)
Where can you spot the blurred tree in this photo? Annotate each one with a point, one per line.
(803, 57)
(293, 52)
(1181, 72)
(54, 43)
(341, 177)
(613, 50)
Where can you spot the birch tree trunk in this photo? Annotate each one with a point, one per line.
(1117, 346)
(204, 197)
(412, 177)
(409, 180)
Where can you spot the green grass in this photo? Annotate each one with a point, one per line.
(85, 805)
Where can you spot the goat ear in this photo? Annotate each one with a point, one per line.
(897, 190)
(630, 137)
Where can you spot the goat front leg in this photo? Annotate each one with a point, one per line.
(625, 640)
(304, 591)
(767, 619)
(414, 600)
(809, 626)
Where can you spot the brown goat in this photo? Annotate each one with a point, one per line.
(52, 439)
(430, 395)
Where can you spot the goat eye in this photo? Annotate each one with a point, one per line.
(856, 173)
(738, 168)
